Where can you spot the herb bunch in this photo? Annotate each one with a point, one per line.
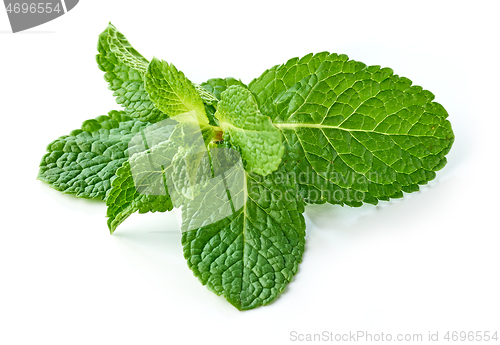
(317, 129)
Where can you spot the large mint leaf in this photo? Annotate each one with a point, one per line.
(84, 162)
(124, 70)
(172, 92)
(255, 135)
(353, 133)
(250, 256)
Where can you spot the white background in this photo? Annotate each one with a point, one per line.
(427, 262)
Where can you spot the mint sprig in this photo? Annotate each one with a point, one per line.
(241, 162)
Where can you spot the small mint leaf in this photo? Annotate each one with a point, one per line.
(172, 92)
(256, 136)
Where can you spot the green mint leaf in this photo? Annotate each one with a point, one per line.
(84, 162)
(172, 92)
(124, 52)
(207, 97)
(190, 168)
(139, 184)
(256, 136)
(210, 111)
(218, 85)
(124, 71)
(124, 198)
(190, 172)
(250, 256)
(353, 133)
(210, 102)
(215, 87)
(158, 175)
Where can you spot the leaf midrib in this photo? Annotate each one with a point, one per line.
(293, 126)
